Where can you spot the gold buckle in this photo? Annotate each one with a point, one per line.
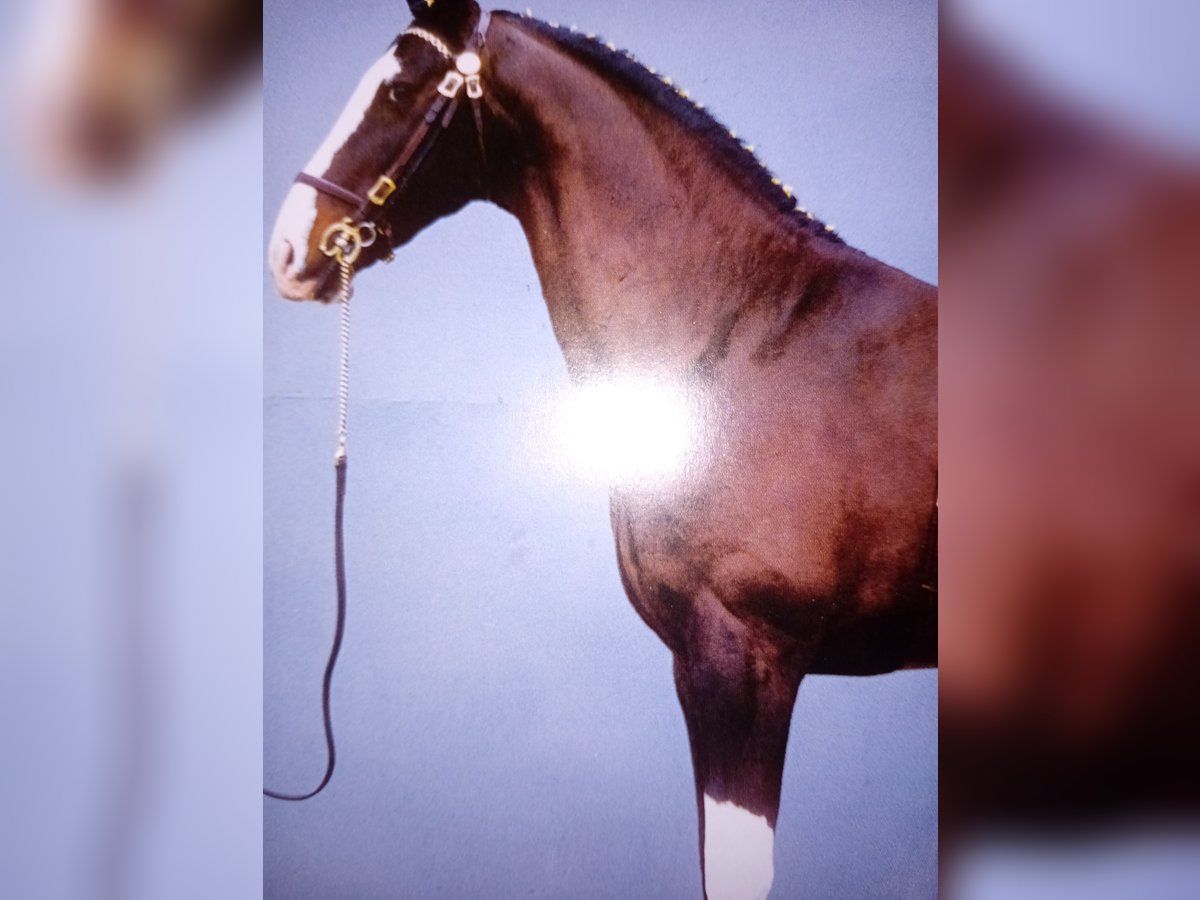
(452, 83)
(346, 240)
(383, 189)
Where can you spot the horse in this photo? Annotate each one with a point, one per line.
(105, 82)
(798, 535)
(1071, 654)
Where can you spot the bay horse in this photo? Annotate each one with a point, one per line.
(799, 534)
(105, 83)
(1069, 698)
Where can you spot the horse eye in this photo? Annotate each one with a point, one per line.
(400, 92)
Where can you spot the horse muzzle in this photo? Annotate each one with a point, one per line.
(291, 280)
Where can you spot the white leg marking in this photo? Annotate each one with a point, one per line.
(739, 853)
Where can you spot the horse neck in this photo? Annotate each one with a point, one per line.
(642, 239)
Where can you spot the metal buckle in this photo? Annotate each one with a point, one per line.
(474, 87)
(345, 240)
(451, 84)
(383, 189)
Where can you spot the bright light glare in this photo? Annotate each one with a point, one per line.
(628, 431)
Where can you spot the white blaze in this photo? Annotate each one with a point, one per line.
(53, 43)
(384, 70)
(51, 57)
(299, 211)
(739, 854)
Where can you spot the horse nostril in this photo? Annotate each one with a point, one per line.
(289, 253)
(105, 139)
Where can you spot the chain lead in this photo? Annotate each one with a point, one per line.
(345, 274)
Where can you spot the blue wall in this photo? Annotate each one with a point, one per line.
(507, 726)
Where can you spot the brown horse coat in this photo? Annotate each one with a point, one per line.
(792, 539)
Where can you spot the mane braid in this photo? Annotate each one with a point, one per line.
(623, 69)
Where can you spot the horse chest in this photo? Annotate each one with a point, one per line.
(686, 570)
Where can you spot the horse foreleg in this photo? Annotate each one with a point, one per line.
(737, 696)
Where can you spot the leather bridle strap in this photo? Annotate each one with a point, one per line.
(408, 159)
(477, 110)
(421, 142)
(477, 42)
(334, 190)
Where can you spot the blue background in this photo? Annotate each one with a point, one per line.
(130, 378)
(507, 726)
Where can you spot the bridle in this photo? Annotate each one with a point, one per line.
(344, 242)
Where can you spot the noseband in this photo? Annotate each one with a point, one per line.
(345, 240)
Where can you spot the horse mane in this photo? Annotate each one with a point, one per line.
(622, 68)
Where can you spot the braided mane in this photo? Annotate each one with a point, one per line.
(623, 69)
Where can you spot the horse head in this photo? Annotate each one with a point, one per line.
(407, 149)
(104, 83)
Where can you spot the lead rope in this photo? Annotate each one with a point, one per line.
(345, 275)
(344, 241)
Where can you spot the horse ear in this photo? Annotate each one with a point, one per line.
(433, 11)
